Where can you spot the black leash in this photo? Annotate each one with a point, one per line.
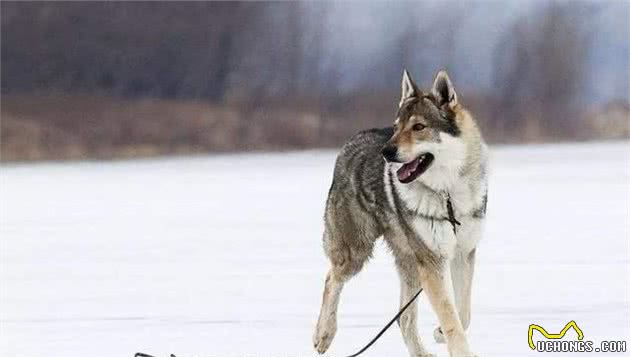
(378, 335)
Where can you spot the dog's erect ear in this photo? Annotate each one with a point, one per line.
(409, 88)
(443, 90)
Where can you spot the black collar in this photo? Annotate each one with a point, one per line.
(451, 213)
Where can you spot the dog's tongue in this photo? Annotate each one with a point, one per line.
(407, 169)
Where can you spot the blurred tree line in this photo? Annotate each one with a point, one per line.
(199, 50)
(265, 75)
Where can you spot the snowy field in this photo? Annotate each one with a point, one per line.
(221, 256)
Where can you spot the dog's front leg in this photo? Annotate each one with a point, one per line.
(409, 285)
(462, 269)
(462, 275)
(439, 288)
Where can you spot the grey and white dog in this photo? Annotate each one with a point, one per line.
(422, 185)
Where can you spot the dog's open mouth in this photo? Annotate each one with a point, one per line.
(411, 170)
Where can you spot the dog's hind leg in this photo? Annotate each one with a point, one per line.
(327, 323)
(409, 286)
(346, 261)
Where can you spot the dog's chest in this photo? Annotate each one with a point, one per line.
(430, 203)
(429, 216)
(442, 238)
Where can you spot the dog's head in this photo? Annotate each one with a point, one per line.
(427, 138)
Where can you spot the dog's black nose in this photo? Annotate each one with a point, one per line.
(390, 152)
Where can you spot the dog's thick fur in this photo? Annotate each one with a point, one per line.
(368, 200)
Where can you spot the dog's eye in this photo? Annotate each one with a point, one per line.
(418, 127)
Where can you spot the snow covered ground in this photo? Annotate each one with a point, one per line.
(221, 256)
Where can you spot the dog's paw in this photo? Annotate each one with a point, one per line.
(427, 354)
(438, 335)
(324, 334)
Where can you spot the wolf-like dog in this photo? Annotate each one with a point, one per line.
(422, 186)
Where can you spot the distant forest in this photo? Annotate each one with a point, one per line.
(114, 79)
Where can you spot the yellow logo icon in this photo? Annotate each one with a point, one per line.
(552, 336)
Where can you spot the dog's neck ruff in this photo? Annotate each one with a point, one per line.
(447, 198)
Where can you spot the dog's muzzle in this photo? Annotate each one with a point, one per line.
(390, 153)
